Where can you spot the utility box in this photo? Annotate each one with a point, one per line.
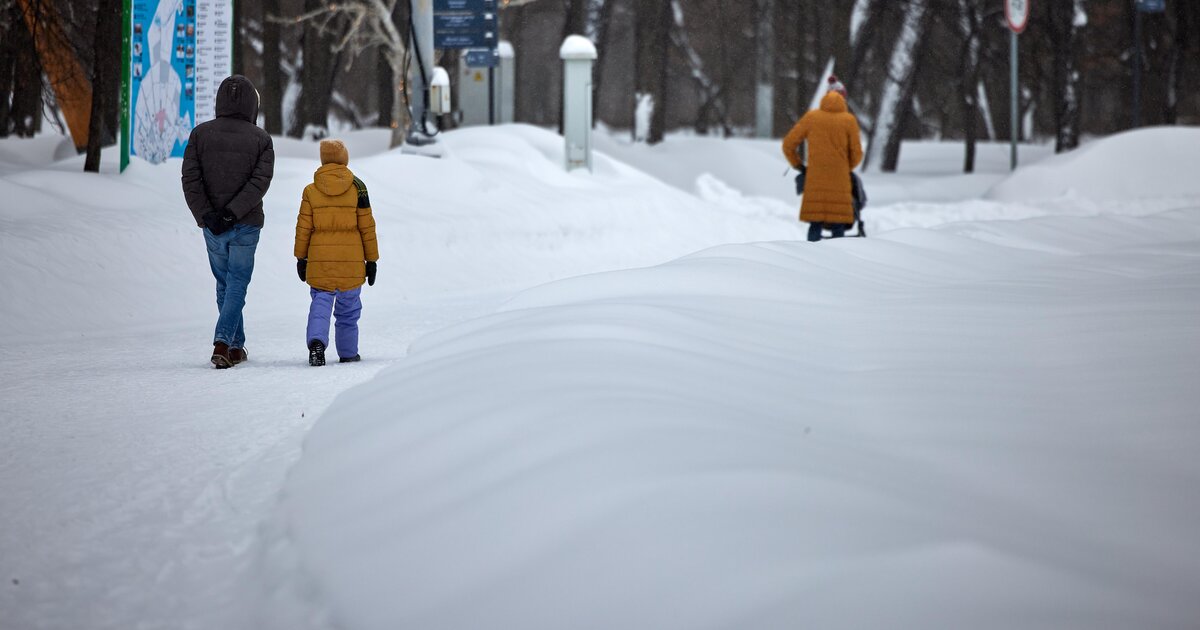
(474, 90)
(578, 54)
(505, 88)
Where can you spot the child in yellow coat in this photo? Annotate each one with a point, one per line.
(335, 251)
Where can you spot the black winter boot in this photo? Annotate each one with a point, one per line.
(354, 359)
(316, 353)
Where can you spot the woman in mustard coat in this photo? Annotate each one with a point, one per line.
(834, 149)
(335, 250)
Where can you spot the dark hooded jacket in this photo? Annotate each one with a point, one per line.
(229, 160)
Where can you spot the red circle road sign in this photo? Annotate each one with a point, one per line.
(1017, 12)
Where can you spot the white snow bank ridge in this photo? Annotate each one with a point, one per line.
(1145, 164)
(976, 426)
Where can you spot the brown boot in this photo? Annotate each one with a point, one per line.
(220, 356)
(238, 355)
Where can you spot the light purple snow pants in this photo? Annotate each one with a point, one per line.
(346, 306)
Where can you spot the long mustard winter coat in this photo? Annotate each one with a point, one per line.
(335, 230)
(834, 149)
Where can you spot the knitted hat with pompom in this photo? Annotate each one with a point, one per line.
(836, 86)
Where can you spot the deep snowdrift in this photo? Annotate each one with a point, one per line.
(978, 426)
(141, 488)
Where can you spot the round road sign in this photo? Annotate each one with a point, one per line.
(1017, 12)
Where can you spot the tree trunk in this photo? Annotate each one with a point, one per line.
(895, 103)
(26, 112)
(271, 90)
(787, 67)
(764, 61)
(969, 24)
(237, 30)
(1066, 76)
(311, 118)
(869, 14)
(9, 20)
(1180, 45)
(105, 83)
(600, 17)
(650, 69)
(61, 64)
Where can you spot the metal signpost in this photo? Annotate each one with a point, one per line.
(1017, 13)
(176, 53)
(1143, 6)
(472, 25)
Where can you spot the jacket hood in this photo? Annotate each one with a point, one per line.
(237, 98)
(333, 179)
(834, 103)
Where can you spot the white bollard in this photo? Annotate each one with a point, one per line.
(578, 53)
(506, 85)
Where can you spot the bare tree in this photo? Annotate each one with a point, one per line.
(105, 81)
(1065, 20)
(599, 18)
(712, 92)
(322, 25)
(1185, 31)
(271, 90)
(970, 24)
(61, 63)
(351, 28)
(895, 102)
(764, 67)
(864, 27)
(654, 19)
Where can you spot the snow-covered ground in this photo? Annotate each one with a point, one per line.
(985, 415)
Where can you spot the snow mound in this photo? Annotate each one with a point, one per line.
(1144, 164)
(931, 429)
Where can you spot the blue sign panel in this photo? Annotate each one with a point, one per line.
(483, 58)
(463, 22)
(1152, 6)
(466, 28)
(465, 40)
(474, 6)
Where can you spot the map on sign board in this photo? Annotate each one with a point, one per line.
(1017, 12)
(179, 52)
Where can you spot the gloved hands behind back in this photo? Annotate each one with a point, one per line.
(219, 222)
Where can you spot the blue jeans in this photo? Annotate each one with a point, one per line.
(347, 306)
(231, 257)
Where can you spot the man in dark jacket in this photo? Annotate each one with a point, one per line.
(227, 168)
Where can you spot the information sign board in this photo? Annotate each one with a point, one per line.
(1152, 6)
(474, 6)
(177, 54)
(465, 24)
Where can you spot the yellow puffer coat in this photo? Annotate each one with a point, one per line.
(834, 149)
(335, 230)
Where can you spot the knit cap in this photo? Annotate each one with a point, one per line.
(334, 152)
(836, 86)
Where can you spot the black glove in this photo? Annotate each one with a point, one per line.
(371, 273)
(219, 222)
(302, 269)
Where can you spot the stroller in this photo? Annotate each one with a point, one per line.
(857, 190)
